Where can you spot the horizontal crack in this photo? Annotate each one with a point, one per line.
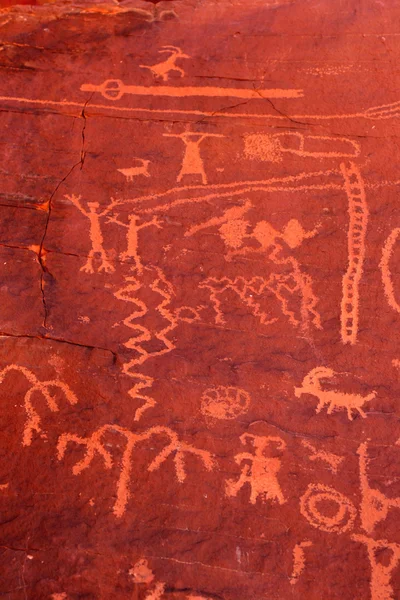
(38, 336)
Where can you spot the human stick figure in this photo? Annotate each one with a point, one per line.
(192, 163)
(95, 233)
(132, 237)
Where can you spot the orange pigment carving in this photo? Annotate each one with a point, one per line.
(132, 238)
(334, 399)
(192, 162)
(333, 460)
(299, 560)
(43, 387)
(94, 444)
(164, 68)
(95, 233)
(141, 572)
(142, 334)
(222, 402)
(374, 505)
(246, 289)
(260, 471)
(381, 588)
(269, 147)
(341, 521)
(358, 214)
(114, 89)
(231, 218)
(136, 171)
(385, 269)
(267, 237)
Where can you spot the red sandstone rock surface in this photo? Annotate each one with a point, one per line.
(199, 286)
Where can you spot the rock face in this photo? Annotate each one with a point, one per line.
(200, 298)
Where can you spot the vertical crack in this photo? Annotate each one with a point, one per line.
(42, 252)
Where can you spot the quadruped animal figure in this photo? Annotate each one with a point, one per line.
(334, 399)
(164, 68)
(142, 169)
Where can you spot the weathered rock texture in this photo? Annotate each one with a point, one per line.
(199, 246)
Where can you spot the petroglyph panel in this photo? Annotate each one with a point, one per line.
(200, 291)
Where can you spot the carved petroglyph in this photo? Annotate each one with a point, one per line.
(95, 444)
(385, 269)
(266, 236)
(164, 68)
(46, 389)
(299, 560)
(142, 334)
(143, 576)
(132, 238)
(338, 522)
(222, 402)
(333, 460)
(334, 399)
(283, 284)
(157, 592)
(114, 89)
(192, 162)
(272, 147)
(386, 111)
(358, 215)
(260, 470)
(142, 169)
(247, 290)
(141, 572)
(233, 216)
(251, 291)
(95, 233)
(374, 505)
(381, 572)
(233, 230)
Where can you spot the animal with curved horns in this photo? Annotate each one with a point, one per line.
(334, 399)
(164, 68)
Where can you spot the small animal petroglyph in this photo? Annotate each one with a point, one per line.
(299, 561)
(46, 388)
(95, 233)
(222, 402)
(382, 566)
(192, 162)
(374, 504)
(142, 169)
(164, 68)
(259, 471)
(333, 460)
(334, 399)
(312, 502)
(95, 444)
